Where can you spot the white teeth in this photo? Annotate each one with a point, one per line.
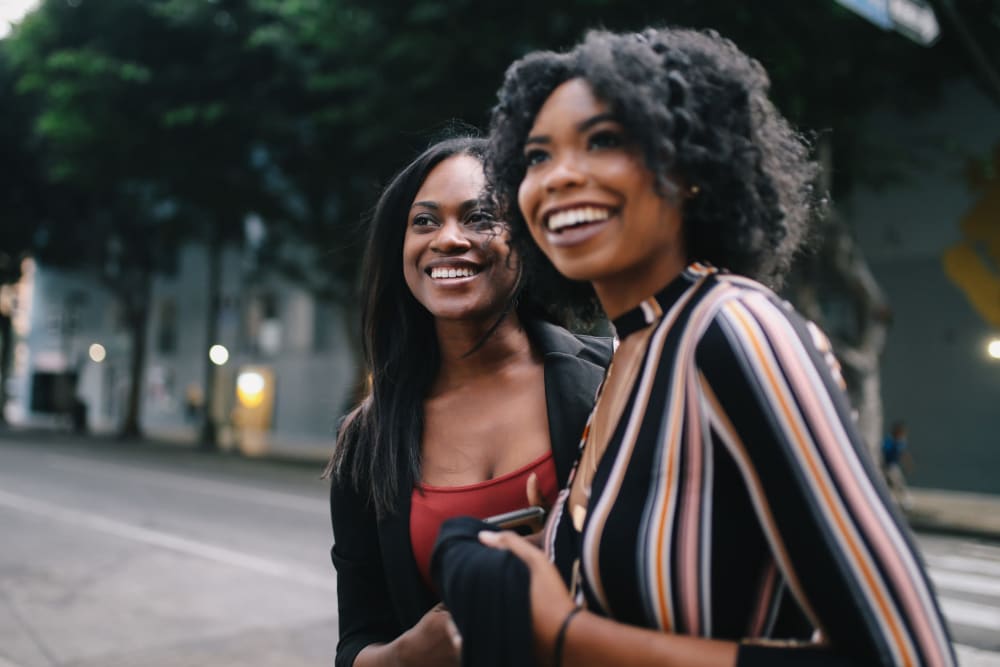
(577, 216)
(450, 272)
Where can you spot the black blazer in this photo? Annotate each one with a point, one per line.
(379, 589)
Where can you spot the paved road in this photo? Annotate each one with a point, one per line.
(157, 557)
(966, 574)
(160, 557)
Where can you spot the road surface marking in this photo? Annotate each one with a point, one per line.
(966, 583)
(970, 614)
(164, 540)
(974, 657)
(964, 564)
(200, 485)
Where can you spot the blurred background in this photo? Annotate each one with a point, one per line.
(183, 189)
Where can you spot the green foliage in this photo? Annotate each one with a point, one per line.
(300, 109)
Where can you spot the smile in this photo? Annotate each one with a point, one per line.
(574, 217)
(448, 272)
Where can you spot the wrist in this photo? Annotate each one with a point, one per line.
(401, 650)
(551, 633)
(560, 641)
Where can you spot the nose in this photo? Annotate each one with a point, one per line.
(450, 238)
(562, 173)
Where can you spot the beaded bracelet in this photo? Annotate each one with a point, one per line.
(561, 636)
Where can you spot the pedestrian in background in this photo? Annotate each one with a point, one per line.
(723, 509)
(896, 454)
(474, 392)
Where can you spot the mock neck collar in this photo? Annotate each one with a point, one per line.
(652, 308)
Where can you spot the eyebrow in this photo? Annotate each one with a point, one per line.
(582, 126)
(433, 205)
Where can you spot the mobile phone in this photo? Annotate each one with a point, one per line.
(524, 521)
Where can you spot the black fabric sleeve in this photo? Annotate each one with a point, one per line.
(365, 610)
(487, 592)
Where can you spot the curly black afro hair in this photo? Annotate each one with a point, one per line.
(698, 109)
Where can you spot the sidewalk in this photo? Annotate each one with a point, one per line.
(955, 512)
(932, 510)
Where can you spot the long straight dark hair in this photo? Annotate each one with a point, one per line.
(378, 445)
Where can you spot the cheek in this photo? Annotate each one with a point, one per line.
(526, 198)
(409, 259)
(504, 261)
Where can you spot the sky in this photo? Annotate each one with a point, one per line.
(12, 11)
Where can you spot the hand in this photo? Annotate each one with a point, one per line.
(433, 642)
(535, 499)
(550, 601)
(534, 495)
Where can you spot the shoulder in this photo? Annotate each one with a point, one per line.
(748, 320)
(553, 339)
(596, 349)
(747, 308)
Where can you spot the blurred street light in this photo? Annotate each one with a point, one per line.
(97, 352)
(218, 354)
(250, 388)
(993, 348)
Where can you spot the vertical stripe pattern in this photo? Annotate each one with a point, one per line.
(734, 499)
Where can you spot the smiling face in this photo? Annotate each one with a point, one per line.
(591, 203)
(455, 256)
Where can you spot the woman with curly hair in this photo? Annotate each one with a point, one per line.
(723, 509)
(474, 392)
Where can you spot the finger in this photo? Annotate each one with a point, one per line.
(514, 543)
(534, 496)
(454, 635)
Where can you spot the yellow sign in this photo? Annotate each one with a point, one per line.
(974, 263)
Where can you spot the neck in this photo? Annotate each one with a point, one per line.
(623, 292)
(507, 344)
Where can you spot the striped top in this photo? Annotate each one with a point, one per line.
(735, 499)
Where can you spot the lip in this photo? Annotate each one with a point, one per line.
(552, 210)
(573, 236)
(453, 263)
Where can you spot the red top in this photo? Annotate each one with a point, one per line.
(433, 505)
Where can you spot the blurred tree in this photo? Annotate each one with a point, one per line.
(174, 119)
(412, 66)
(92, 124)
(217, 88)
(18, 204)
(32, 204)
(149, 108)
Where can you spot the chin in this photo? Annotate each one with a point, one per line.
(583, 270)
(462, 312)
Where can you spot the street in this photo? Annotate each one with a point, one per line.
(152, 556)
(155, 556)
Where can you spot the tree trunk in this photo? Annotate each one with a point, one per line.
(6, 348)
(834, 287)
(209, 429)
(136, 305)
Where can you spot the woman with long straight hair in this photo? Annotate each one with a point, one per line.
(475, 394)
(723, 509)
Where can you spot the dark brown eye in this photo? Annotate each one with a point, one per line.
(535, 156)
(606, 139)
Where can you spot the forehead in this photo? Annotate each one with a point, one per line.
(453, 181)
(570, 102)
